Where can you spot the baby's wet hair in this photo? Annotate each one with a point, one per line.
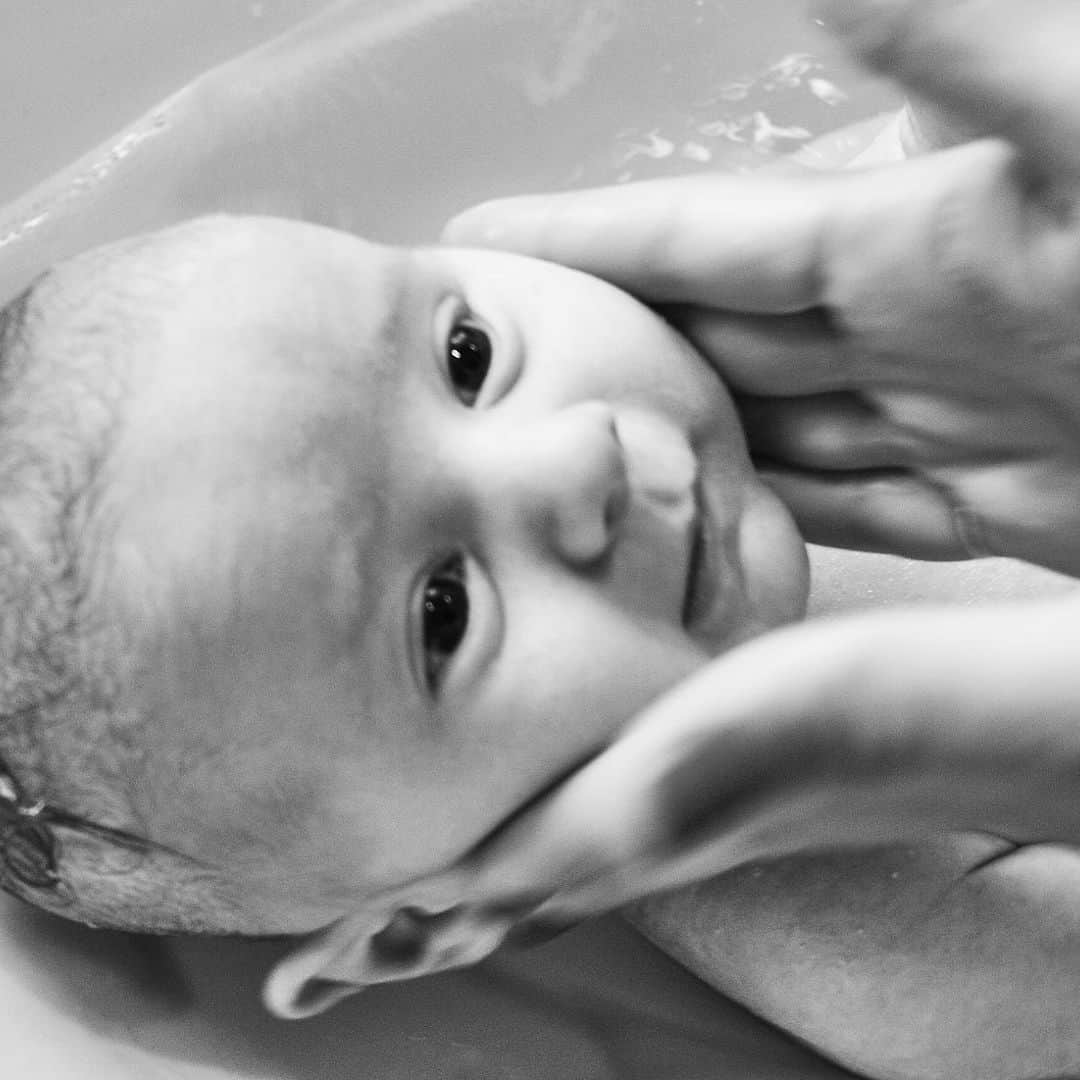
(70, 839)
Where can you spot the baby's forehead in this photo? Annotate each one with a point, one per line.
(300, 282)
(263, 319)
(254, 410)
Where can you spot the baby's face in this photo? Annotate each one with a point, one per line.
(435, 524)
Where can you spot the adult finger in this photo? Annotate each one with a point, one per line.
(930, 718)
(1007, 66)
(894, 428)
(756, 244)
(711, 239)
(864, 730)
(801, 353)
(827, 432)
(894, 511)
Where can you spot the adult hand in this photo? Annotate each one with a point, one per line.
(906, 338)
(854, 731)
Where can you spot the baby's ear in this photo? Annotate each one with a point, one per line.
(431, 925)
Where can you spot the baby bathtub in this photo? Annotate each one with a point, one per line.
(433, 104)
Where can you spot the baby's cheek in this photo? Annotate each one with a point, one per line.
(776, 562)
(605, 665)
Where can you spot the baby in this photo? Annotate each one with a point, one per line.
(319, 559)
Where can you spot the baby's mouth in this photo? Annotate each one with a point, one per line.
(700, 595)
(693, 570)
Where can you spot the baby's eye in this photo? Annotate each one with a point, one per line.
(468, 359)
(445, 614)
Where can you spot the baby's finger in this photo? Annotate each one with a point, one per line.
(1007, 66)
(891, 511)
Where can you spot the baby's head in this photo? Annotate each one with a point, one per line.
(318, 558)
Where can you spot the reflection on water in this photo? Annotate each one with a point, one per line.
(736, 123)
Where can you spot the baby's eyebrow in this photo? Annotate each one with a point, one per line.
(396, 286)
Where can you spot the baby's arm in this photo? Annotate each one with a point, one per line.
(953, 959)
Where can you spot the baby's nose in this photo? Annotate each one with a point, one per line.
(572, 481)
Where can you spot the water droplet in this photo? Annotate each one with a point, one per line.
(695, 151)
(827, 91)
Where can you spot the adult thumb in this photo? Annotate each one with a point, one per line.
(861, 730)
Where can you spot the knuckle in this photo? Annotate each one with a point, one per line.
(1007, 245)
(975, 228)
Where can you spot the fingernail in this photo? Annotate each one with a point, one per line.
(473, 227)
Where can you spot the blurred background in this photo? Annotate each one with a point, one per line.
(754, 77)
